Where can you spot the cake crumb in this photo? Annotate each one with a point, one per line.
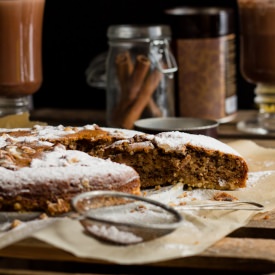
(15, 223)
(223, 196)
(183, 195)
(43, 216)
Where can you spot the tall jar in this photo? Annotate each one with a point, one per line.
(204, 41)
(139, 74)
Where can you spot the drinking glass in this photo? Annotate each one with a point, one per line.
(257, 62)
(21, 23)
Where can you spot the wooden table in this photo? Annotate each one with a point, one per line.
(250, 249)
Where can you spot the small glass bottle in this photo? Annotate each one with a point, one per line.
(139, 74)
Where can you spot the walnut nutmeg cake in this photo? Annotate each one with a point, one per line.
(42, 168)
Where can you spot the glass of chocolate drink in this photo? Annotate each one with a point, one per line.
(257, 61)
(21, 24)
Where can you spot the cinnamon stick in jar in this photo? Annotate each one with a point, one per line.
(141, 68)
(130, 84)
(153, 109)
(134, 112)
(124, 69)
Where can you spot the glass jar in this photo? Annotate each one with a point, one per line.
(139, 74)
(204, 45)
(257, 63)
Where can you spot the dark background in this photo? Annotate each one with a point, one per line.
(74, 32)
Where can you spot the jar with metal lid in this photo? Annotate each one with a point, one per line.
(139, 74)
(204, 46)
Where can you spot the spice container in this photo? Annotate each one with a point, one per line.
(204, 41)
(139, 74)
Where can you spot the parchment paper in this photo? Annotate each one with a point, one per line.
(201, 229)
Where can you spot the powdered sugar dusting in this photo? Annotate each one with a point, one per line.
(50, 132)
(175, 195)
(65, 165)
(112, 233)
(61, 157)
(122, 132)
(175, 140)
(254, 177)
(3, 142)
(26, 139)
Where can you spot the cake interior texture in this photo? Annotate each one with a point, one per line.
(195, 160)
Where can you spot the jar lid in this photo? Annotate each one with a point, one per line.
(139, 32)
(201, 22)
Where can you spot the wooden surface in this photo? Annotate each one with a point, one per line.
(250, 249)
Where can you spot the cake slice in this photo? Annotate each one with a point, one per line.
(197, 161)
(40, 176)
